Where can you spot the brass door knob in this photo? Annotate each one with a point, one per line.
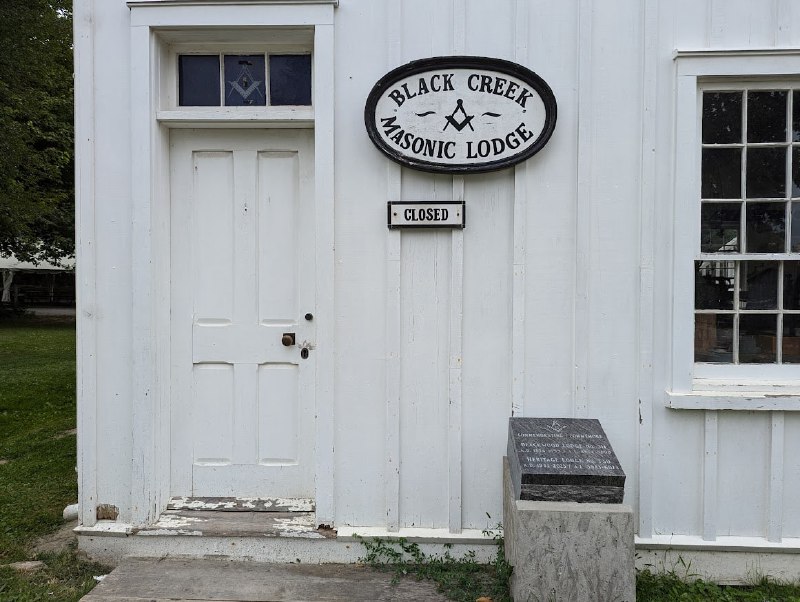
(287, 339)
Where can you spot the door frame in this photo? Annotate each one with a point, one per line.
(151, 24)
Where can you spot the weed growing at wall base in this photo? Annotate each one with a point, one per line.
(461, 579)
(660, 587)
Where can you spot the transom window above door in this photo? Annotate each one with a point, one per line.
(235, 80)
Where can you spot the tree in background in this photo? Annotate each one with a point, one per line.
(36, 133)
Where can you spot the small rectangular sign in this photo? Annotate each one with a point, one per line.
(416, 214)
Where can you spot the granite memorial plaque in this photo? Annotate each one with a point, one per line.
(563, 460)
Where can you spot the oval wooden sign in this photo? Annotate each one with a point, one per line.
(460, 114)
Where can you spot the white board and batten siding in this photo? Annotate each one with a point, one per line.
(739, 473)
(555, 300)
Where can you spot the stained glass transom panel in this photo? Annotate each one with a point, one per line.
(245, 80)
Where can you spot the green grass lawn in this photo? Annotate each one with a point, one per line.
(37, 458)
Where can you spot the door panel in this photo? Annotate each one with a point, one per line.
(212, 217)
(242, 275)
(212, 420)
(277, 420)
(277, 300)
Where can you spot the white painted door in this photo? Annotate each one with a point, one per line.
(242, 266)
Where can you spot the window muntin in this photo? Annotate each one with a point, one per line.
(244, 79)
(747, 308)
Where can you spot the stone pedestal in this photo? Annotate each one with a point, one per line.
(568, 551)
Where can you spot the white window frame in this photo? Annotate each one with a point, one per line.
(267, 41)
(693, 385)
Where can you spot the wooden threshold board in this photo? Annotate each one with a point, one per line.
(242, 504)
(239, 517)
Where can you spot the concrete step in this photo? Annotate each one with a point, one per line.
(221, 580)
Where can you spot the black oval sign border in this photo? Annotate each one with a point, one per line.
(476, 62)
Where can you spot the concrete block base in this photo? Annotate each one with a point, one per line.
(566, 551)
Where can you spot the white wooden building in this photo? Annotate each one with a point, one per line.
(570, 292)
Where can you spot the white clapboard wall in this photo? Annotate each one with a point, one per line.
(554, 301)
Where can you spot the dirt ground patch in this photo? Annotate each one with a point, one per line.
(57, 541)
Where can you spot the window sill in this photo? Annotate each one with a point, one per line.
(778, 398)
(233, 116)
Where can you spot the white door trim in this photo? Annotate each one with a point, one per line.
(86, 264)
(150, 240)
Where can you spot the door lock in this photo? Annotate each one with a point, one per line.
(288, 339)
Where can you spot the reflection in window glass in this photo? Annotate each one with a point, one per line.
(796, 117)
(795, 227)
(759, 285)
(791, 285)
(719, 227)
(722, 117)
(713, 284)
(290, 79)
(791, 339)
(766, 173)
(198, 80)
(713, 338)
(722, 173)
(758, 338)
(766, 227)
(245, 80)
(766, 116)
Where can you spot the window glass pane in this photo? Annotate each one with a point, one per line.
(791, 285)
(713, 284)
(290, 79)
(796, 117)
(791, 339)
(766, 227)
(796, 168)
(795, 227)
(757, 338)
(245, 82)
(766, 173)
(713, 338)
(722, 117)
(766, 116)
(759, 285)
(719, 227)
(722, 173)
(198, 80)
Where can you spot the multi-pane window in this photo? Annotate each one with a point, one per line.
(747, 272)
(236, 80)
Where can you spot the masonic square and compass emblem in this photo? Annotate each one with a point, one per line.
(249, 89)
(459, 118)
